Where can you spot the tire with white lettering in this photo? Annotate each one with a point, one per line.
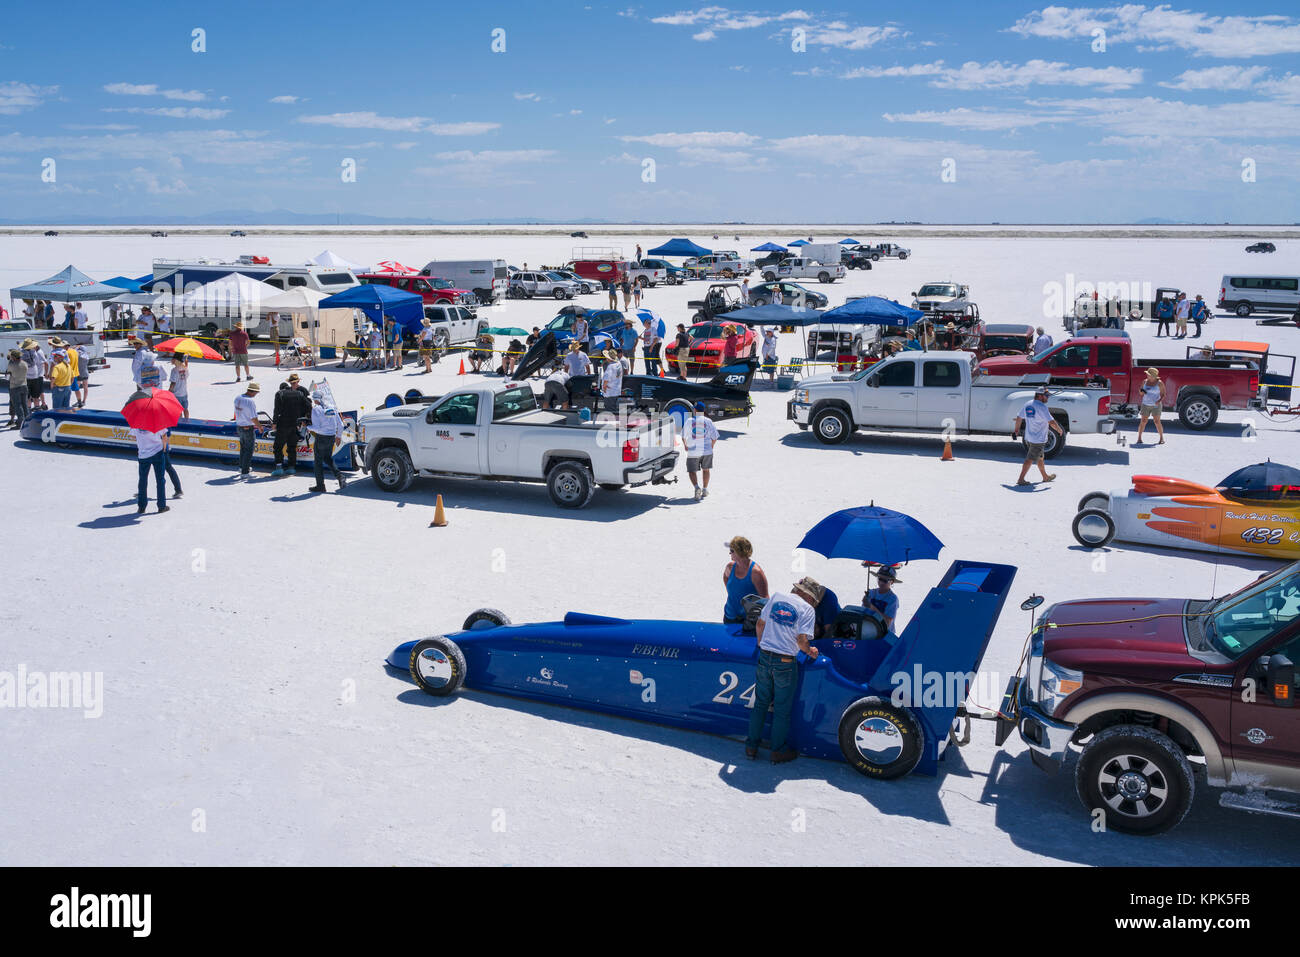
(1093, 528)
(438, 666)
(484, 618)
(679, 412)
(392, 470)
(1137, 777)
(880, 739)
(831, 426)
(570, 485)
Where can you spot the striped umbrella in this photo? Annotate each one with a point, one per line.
(189, 347)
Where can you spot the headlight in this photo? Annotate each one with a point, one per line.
(801, 395)
(1057, 684)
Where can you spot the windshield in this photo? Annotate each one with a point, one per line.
(1238, 622)
(440, 284)
(708, 330)
(1017, 343)
(939, 289)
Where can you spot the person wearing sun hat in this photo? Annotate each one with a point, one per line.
(140, 359)
(611, 380)
(36, 361)
(577, 362)
(882, 597)
(18, 399)
(1152, 405)
(246, 423)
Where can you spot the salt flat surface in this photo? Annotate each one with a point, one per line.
(241, 635)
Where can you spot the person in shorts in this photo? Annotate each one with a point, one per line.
(1152, 405)
(698, 436)
(1035, 419)
(239, 351)
(426, 345)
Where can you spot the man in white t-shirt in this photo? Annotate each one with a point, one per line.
(577, 362)
(1037, 422)
(698, 436)
(79, 318)
(785, 627)
(611, 380)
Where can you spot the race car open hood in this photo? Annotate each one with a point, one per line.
(1138, 636)
(543, 351)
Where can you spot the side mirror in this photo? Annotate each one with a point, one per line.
(1281, 680)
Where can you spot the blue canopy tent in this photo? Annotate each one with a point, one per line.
(679, 247)
(849, 242)
(772, 315)
(798, 242)
(69, 285)
(406, 308)
(873, 311)
(769, 248)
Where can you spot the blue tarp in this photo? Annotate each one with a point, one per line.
(121, 282)
(768, 248)
(679, 247)
(406, 308)
(69, 285)
(874, 311)
(771, 315)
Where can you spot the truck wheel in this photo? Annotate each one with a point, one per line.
(1137, 777)
(1055, 443)
(1093, 500)
(485, 618)
(769, 277)
(558, 293)
(438, 666)
(642, 281)
(831, 426)
(1198, 412)
(392, 470)
(441, 344)
(902, 256)
(570, 485)
(879, 739)
(875, 257)
(823, 277)
(1243, 309)
(1093, 528)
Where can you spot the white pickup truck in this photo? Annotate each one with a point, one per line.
(724, 264)
(935, 294)
(503, 434)
(795, 267)
(90, 341)
(644, 274)
(940, 392)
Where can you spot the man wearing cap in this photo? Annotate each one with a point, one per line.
(698, 436)
(650, 344)
(18, 398)
(36, 363)
(882, 597)
(627, 339)
(239, 350)
(1197, 313)
(784, 629)
(246, 424)
(292, 404)
(682, 350)
(611, 380)
(326, 431)
(1037, 422)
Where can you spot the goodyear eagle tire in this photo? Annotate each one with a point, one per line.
(679, 412)
(879, 739)
(1093, 500)
(1198, 412)
(497, 619)
(392, 470)
(831, 426)
(438, 666)
(1093, 528)
(570, 485)
(1137, 777)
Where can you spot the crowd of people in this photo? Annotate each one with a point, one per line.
(42, 315)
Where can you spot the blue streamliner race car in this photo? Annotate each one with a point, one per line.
(700, 675)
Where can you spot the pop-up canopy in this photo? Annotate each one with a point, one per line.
(769, 248)
(679, 247)
(332, 259)
(773, 315)
(406, 308)
(69, 285)
(874, 311)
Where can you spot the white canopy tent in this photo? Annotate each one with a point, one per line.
(331, 328)
(332, 259)
(235, 296)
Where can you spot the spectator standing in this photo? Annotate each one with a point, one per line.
(326, 430)
(79, 317)
(164, 323)
(239, 351)
(144, 325)
(36, 364)
(577, 362)
(18, 397)
(682, 350)
(140, 360)
(627, 293)
(395, 332)
(744, 291)
(1152, 405)
(741, 577)
(638, 252)
(151, 455)
(613, 294)
(60, 379)
(1036, 421)
(375, 348)
(83, 375)
(784, 629)
(246, 425)
(1198, 312)
(1043, 342)
(650, 345)
(1164, 317)
(611, 380)
(179, 381)
(582, 333)
(1181, 311)
(426, 345)
(637, 289)
(627, 339)
(698, 436)
(769, 354)
(291, 406)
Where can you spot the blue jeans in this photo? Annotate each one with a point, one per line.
(157, 462)
(774, 682)
(247, 437)
(61, 396)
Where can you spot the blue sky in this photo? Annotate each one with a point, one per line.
(755, 113)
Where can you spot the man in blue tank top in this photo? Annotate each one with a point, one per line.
(741, 577)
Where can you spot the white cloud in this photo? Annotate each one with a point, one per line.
(1142, 116)
(284, 99)
(704, 35)
(407, 145)
(150, 182)
(696, 140)
(174, 112)
(1217, 78)
(16, 97)
(844, 37)
(368, 120)
(875, 72)
(995, 75)
(535, 97)
(1285, 88)
(495, 157)
(468, 128)
(1201, 34)
(692, 156)
(152, 89)
(221, 147)
(714, 19)
(978, 119)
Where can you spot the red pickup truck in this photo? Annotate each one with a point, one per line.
(434, 291)
(1148, 691)
(1196, 388)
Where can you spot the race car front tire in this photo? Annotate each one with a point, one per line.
(392, 470)
(1137, 777)
(1093, 528)
(1093, 500)
(438, 666)
(498, 619)
(879, 739)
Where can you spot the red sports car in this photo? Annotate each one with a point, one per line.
(709, 349)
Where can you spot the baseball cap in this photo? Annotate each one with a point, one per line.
(812, 588)
(699, 406)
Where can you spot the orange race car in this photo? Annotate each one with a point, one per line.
(1254, 511)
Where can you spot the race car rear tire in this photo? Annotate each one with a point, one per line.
(679, 412)
(1093, 528)
(497, 618)
(1093, 500)
(1198, 412)
(438, 666)
(879, 739)
(1139, 778)
(831, 426)
(392, 470)
(570, 485)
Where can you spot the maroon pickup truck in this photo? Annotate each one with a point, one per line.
(1195, 388)
(1155, 693)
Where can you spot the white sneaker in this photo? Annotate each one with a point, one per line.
(698, 494)
(704, 493)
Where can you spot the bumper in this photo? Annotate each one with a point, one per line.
(1046, 737)
(798, 412)
(1106, 426)
(650, 471)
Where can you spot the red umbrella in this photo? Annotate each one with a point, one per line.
(152, 410)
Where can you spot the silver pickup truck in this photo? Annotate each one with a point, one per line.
(503, 434)
(940, 392)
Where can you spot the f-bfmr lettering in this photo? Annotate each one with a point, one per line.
(75, 910)
(656, 651)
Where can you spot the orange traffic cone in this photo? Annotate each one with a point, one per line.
(947, 451)
(439, 517)
(277, 357)
(462, 367)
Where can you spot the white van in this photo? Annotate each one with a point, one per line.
(488, 279)
(1246, 294)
